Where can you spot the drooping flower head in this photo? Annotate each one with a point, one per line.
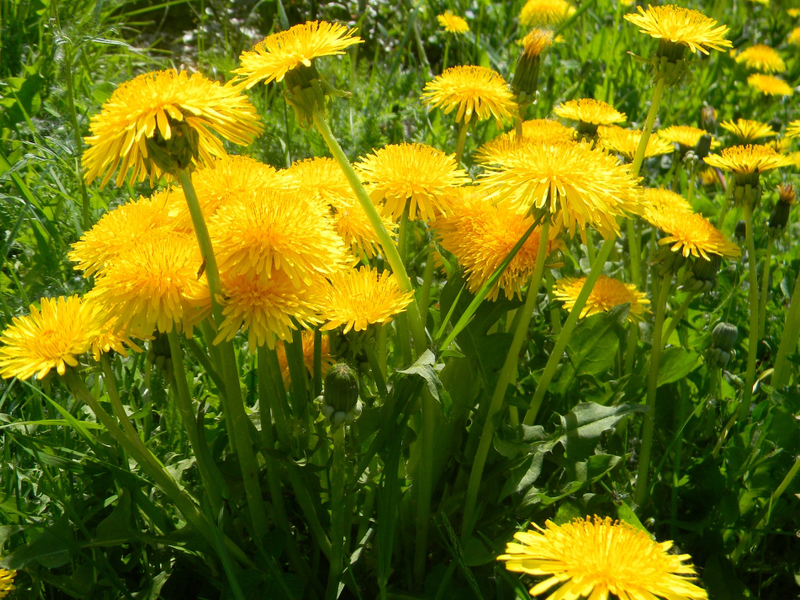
(577, 185)
(681, 26)
(691, 234)
(452, 23)
(413, 176)
(481, 235)
(533, 131)
(769, 85)
(626, 141)
(685, 136)
(606, 294)
(596, 558)
(326, 361)
(477, 92)
(589, 113)
(545, 12)
(358, 299)
(50, 337)
(278, 54)
(165, 113)
(748, 131)
(761, 58)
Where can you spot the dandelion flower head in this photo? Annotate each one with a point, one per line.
(747, 131)
(6, 582)
(685, 136)
(358, 299)
(533, 131)
(752, 158)
(626, 141)
(656, 200)
(606, 294)
(545, 12)
(114, 338)
(761, 58)
(152, 105)
(416, 176)
(50, 337)
(452, 23)
(277, 54)
(596, 558)
(590, 111)
(793, 130)
(477, 92)
(680, 25)
(308, 356)
(537, 41)
(794, 36)
(769, 85)
(691, 234)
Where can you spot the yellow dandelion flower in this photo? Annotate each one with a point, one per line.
(536, 42)
(481, 235)
(6, 582)
(321, 178)
(308, 357)
(263, 307)
(708, 177)
(748, 131)
(413, 176)
(357, 299)
(658, 200)
(276, 230)
(780, 145)
(680, 25)
(112, 337)
(162, 105)
(685, 136)
(589, 112)
(452, 23)
(793, 130)
(793, 12)
(154, 284)
(579, 186)
(626, 141)
(545, 12)
(748, 159)
(794, 36)
(50, 337)
(761, 58)
(597, 558)
(691, 234)
(218, 182)
(116, 230)
(355, 228)
(533, 131)
(769, 85)
(477, 92)
(277, 54)
(607, 293)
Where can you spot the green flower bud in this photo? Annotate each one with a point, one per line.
(723, 336)
(340, 402)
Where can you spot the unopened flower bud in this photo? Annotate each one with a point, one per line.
(706, 270)
(740, 231)
(779, 217)
(340, 402)
(723, 336)
(708, 119)
(526, 75)
(703, 147)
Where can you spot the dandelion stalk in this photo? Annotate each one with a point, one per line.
(638, 159)
(462, 138)
(338, 483)
(677, 317)
(762, 305)
(781, 370)
(752, 344)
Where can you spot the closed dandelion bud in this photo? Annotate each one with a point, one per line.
(723, 336)
(703, 147)
(340, 402)
(779, 217)
(526, 74)
(669, 261)
(740, 231)
(708, 119)
(706, 270)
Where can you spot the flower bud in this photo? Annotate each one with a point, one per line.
(723, 336)
(706, 270)
(340, 394)
(703, 147)
(779, 217)
(740, 231)
(708, 119)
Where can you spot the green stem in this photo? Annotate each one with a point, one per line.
(427, 281)
(425, 483)
(752, 344)
(306, 503)
(446, 52)
(462, 138)
(635, 253)
(509, 367)
(590, 252)
(389, 249)
(555, 317)
(563, 339)
(762, 304)
(278, 402)
(374, 366)
(638, 159)
(676, 468)
(317, 362)
(648, 427)
(677, 317)
(782, 370)
(630, 349)
(338, 484)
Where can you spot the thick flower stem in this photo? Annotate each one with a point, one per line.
(762, 305)
(509, 367)
(782, 371)
(648, 427)
(446, 52)
(462, 138)
(638, 159)
(389, 249)
(752, 344)
(566, 332)
(338, 517)
(427, 281)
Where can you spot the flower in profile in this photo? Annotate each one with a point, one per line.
(577, 185)
(761, 58)
(589, 113)
(594, 558)
(477, 92)
(537, 41)
(606, 294)
(308, 356)
(626, 141)
(277, 54)
(533, 131)
(685, 136)
(116, 230)
(545, 12)
(416, 177)
(452, 23)
(525, 81)
(154, 284)
(50, 337)
(748, 131)
(691, 234)
(794, 36)
(6, 582)
(682, 26)
(708, 176)
(655, 200)
(748, 159)
(113, 338)
(167, 110)
(273, 230)
(481, 235)
(769, 85)
(793, 130)
(358, 299)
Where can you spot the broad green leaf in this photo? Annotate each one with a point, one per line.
(675, 364)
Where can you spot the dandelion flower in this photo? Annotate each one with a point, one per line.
(326, 361)
(761, 58)
(116, 230)
(533, 131)
(597, 558)
(793, 130)
(477, 92)
(357, 299)
(452, 23)
(579, 186)
(769, 85)
(113, 338)
(50, 337)
(748, 131)
(6, 582)
(682, 26)
(793, 12)
(545, 12)
(626, 141)
(606, 294)
(589, 113)
(162, 105)
(277, 54)
(537, 41)
(686, 137)
(276, 230)
(691, 234)
(481, 235)
(416, 176)
(794, 36)
(657, 200)
(708, 176)
(748, 159)
(355, 228)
